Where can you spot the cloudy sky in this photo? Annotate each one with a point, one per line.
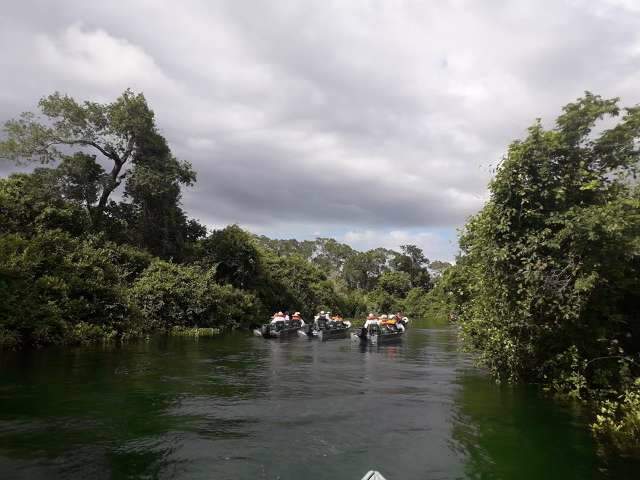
(375, 122)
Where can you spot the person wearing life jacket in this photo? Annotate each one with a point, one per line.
(387, 323)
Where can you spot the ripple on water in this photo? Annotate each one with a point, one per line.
(242, 407)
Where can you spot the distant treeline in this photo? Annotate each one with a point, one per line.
(78, 264)
(547, 289)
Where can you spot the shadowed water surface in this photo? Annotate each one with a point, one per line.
(242, 407)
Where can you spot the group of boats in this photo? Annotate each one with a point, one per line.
(375, 329)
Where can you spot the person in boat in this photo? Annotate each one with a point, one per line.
(277, 317)
(399, 321)
(388, 323)
(322, 319)
(297, 317)
(371, 320)
(286, 316)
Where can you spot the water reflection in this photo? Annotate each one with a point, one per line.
(243, 407)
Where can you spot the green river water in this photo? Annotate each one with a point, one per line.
(241, 407)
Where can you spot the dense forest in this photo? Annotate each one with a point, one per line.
(94, 243)
(547, 287)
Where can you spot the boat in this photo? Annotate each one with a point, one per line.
(279, 329)
(384, 330)
(323, 328)
(373, 475)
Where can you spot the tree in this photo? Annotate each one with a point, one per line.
(115, 131)
(438, 267)
(413, 262)
(234, 255)
(33, 203)
(395, 283)
(292, 282)
(331, 255)
(363, 269)
(553, 259)
(153, 187)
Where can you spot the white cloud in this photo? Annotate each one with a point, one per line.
(96, 58)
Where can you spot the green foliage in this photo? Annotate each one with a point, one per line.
(292, 282)
(153, 186)
(438, 267)
(284, 248)
(395, 283)
(195, 332)
(618, 419)
(234, 255)
(380, 301)
(326, 253)
(55, 288)
(445, 300)
(363, 269)
(34, 203)
(413, 262)
(170, 295)
(552, 262)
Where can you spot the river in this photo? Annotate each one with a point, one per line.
(240, 407)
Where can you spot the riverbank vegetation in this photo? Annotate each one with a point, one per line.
(547, 288)
(94, 243)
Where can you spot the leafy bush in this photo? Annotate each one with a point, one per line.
(619, 419)
(169, 295)
(52, 282)
(294, 283)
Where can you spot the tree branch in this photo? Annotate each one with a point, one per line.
(113, 156)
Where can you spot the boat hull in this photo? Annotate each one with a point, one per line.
(274, 331)
(377, 339)
(325, 335)
(328, 331)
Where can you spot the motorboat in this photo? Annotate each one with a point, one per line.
(378, 331)
(324, 328)
(279, 328)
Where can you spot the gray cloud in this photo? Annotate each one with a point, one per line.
(378, 119)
